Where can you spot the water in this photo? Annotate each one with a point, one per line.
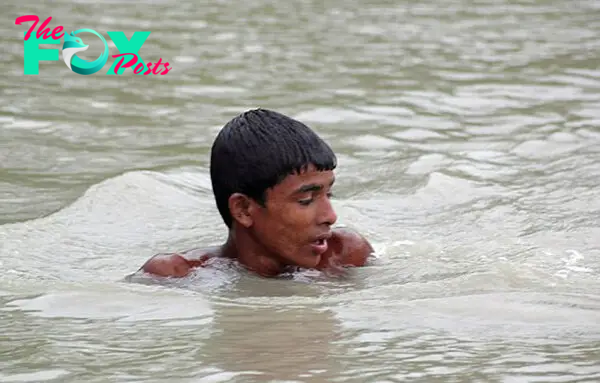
(469, 148)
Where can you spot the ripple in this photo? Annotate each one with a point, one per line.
(545, 149)
(329, 115)
(132, 308)
(207, 90)
(40, 376)
(416, 135)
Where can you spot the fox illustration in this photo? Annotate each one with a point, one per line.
(71, 46)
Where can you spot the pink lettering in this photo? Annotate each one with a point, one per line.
(129, 63)
(157, 66)
(138, 68)
(42, 30)
(27, 18)
(167, 69)
(57, 30)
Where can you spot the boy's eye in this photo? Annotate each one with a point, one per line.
(305, 202)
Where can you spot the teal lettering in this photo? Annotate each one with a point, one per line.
(32, 54)
(128, 46)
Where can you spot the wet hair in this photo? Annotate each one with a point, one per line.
(256, 150)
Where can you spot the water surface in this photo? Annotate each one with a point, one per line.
(469, 149)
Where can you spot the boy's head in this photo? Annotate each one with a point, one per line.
(259, 161)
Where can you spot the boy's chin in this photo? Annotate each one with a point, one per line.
(308, 261)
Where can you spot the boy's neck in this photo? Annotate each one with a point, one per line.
(242, 246)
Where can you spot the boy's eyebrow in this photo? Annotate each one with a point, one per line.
(311, 187)
(308, 188)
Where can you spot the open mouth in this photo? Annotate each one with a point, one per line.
(319, 246)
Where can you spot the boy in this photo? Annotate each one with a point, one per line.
(272, 177)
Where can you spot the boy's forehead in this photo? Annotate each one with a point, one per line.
(309, 176)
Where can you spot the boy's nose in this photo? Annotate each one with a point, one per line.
(328, 216)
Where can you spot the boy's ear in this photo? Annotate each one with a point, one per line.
(239, 207)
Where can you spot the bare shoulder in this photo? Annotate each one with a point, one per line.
(177, 264)
(351, 247)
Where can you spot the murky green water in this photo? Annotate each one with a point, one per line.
(468, 135)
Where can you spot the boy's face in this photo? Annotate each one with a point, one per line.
(297, 218)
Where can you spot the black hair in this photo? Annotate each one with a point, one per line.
(259, 148)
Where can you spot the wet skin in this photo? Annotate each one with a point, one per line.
(293, 230)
